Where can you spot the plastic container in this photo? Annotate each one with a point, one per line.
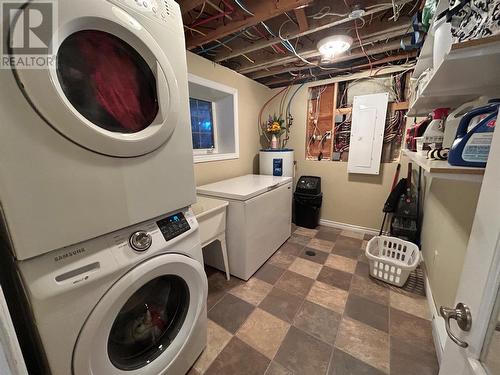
(276, 162)
(420, 146)
(442, 41)
(307, 208)
(392, 259)
(434, 134)
(453, 119)
(471, 148)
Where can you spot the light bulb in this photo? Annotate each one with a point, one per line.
(334, 45)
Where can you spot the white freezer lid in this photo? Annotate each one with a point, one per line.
(244, 187)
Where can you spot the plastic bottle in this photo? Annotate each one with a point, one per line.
(472, 147)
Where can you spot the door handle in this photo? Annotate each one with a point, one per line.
(461, 313)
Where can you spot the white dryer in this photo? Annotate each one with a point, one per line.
(101, 140)
(130, 302)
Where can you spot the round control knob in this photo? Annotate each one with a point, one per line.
(140, 240)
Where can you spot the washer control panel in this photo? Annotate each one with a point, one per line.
(173, 225)
(140, 240)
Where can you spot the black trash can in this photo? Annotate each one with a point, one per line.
(309, 185)
(307, 201)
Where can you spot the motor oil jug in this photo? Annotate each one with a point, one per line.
(472, 147)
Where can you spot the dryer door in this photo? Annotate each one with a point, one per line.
(141, 324)
(111, 88)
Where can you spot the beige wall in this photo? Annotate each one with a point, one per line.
(449, 210)
(347, 198)
(251, 97)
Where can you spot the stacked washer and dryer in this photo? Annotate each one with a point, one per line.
(96, 180)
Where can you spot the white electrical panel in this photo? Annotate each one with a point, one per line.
(367, 133)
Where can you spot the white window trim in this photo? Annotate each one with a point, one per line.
(204, 155)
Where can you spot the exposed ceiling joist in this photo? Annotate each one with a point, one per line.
(357, 55)
(317, 26)
(261, 12)
(301, 16)
(366, 38)
(279, 82)
(362, 74)
(285, 81)
(188, 5)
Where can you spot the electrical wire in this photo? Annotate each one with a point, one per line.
(286, 43)
(201, 11)
(203, 34)
(288, 115)
(260, 123)
(396, 9)
(324, 12)
(223, 44)
(203, 49)
(276, 48)
(315, 117)
(216, 7)
(361, 44)
(291, 19)
(243, 8)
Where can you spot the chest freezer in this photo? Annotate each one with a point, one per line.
(259, 218)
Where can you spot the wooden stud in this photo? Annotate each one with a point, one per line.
(335, 98)
(286, 81)
(301, 16)
(393, 106)
(263, 11)
(188, 5)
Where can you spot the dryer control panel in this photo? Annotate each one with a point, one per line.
(160, 10)
(173, 225)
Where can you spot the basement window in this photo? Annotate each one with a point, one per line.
(202, 124)
(214, 120)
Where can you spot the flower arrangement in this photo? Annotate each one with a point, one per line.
(275, 126)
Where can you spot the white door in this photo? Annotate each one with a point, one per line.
(142, 323)
(477, 348)
(111, 89)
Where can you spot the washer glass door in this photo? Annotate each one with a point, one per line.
(111, 89)
(148, 322)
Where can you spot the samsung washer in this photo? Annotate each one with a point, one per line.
(131, 302)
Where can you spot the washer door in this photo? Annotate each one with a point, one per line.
(141, 324)
(111, 89)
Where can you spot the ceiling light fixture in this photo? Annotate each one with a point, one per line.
(334, 45)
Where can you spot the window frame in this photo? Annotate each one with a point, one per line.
(216, 154)
(214, 150)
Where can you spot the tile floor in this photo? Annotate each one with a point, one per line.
(313, 309)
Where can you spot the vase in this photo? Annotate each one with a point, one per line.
(274, 142)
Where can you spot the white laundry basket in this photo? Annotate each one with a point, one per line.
(392, 259)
